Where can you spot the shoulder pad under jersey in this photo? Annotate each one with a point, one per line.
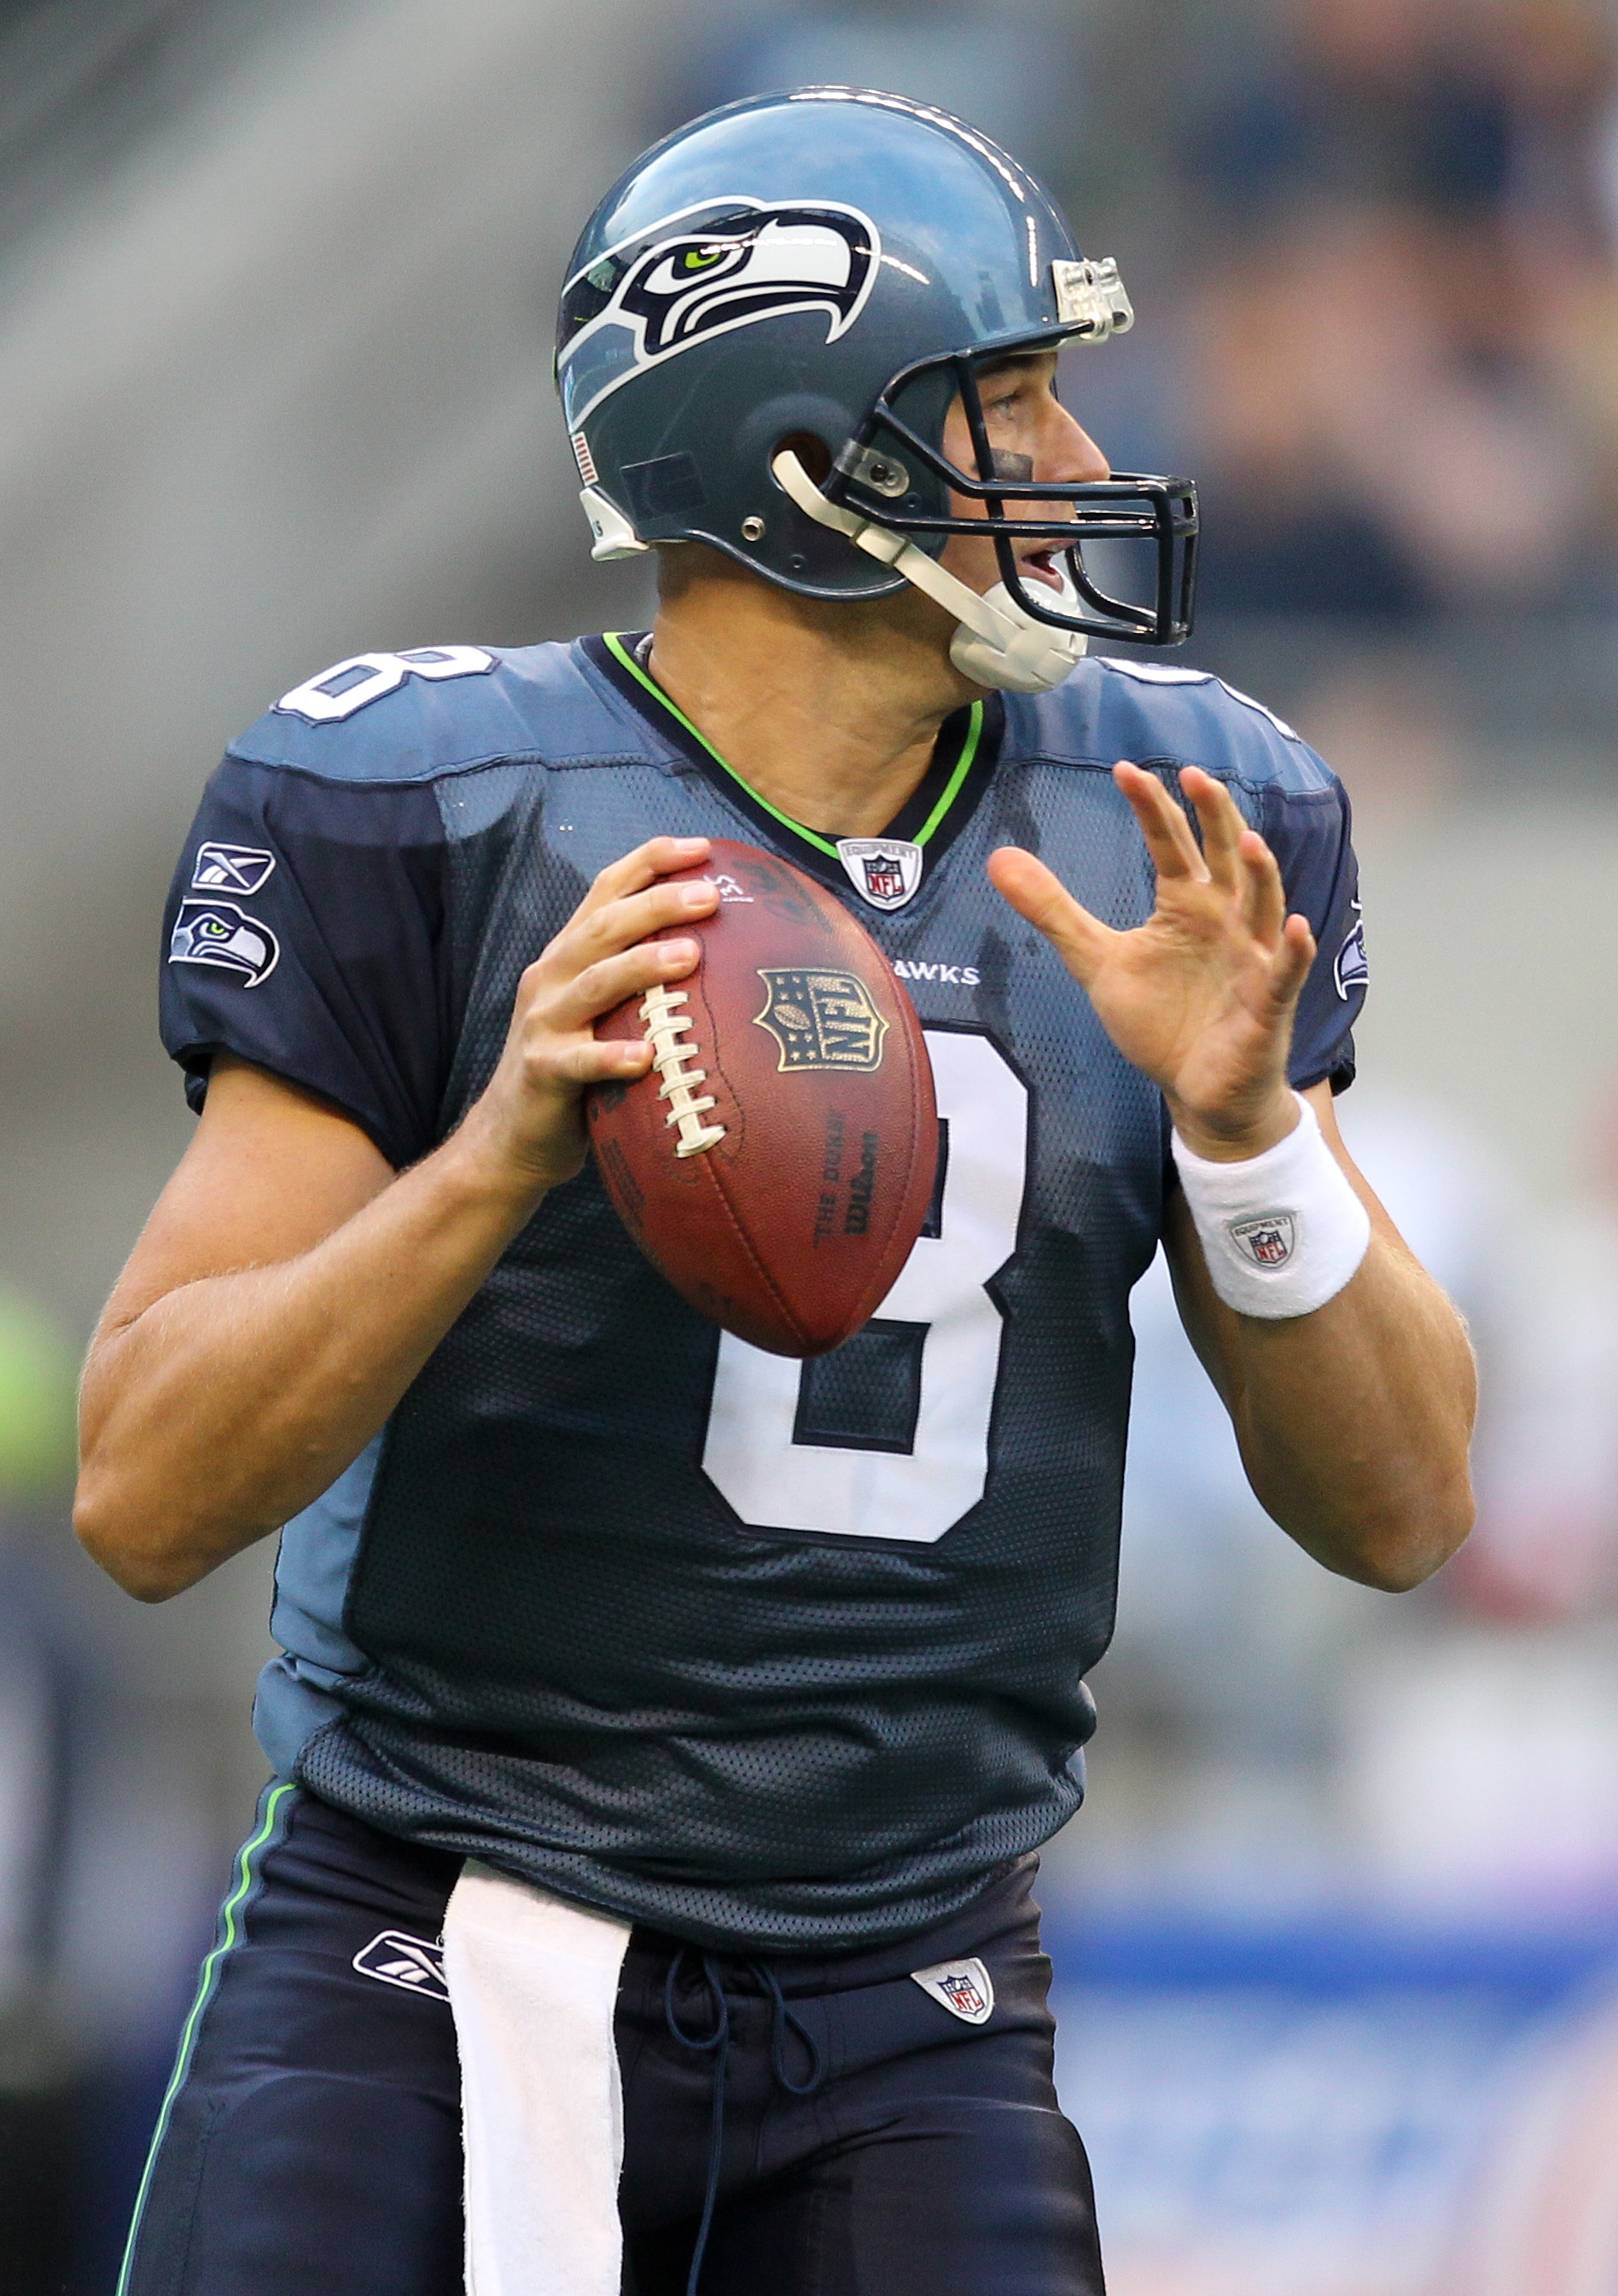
(438, 709)
(1156, 713)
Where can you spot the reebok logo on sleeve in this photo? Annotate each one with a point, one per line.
(230, 868)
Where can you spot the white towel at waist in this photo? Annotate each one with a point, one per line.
(533, 1983)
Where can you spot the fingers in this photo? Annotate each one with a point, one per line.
(1225, 856)
(601, 1059)
(1167, 832)
(592, 935)
(551, 1040)
(657, 857)
(1294, 959)
(1287, 971)
(1080, 940)
(624, 936)
(1232, 856)
(1220, 822)
(600, 988)
(661, 906)
(1264, 895)
(617, 942)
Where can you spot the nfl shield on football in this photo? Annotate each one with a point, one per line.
(776, 1162)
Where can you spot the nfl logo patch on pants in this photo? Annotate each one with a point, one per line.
(965, 1988)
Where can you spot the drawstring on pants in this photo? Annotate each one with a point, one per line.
(716, 2043)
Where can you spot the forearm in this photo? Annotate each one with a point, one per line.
(231, 1402)
(1354, 1421)
(1347, 1373)
(1350, 1381)
(288, 1287)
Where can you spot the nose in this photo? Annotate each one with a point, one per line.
(1067, 452)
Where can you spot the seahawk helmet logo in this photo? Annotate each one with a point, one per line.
(701, 272)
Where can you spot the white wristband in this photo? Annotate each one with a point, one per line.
(1282, 1233)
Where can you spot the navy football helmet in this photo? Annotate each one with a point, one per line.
(766, 324)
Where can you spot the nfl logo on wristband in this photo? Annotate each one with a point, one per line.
(1268, 1241)
(1270, 1263)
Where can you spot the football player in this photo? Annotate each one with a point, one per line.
(663, 1733)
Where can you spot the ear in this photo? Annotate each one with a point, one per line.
(681, 565)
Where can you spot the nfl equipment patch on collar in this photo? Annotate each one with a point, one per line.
(884, 871)
(964, 1987)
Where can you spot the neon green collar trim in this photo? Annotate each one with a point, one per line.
(963, 766)
(947, 796)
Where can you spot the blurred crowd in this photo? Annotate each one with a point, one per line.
(1440, 1754)
(1400, 309)
(1375, 243)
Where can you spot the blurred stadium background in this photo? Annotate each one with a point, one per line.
(1337, 1936)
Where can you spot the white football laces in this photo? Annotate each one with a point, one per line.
(666, 1024)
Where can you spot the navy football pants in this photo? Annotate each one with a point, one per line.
(873, 2143)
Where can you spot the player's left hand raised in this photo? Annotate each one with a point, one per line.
(1200, 997)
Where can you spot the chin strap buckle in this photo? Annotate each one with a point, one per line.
(615, 538)
(997, 645)
(891, 549)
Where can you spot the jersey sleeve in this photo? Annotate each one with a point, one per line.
(305, 932)
(1310, 835)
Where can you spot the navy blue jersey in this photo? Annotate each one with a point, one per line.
(766, 1653)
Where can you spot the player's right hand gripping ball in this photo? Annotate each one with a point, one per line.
(777, 1162)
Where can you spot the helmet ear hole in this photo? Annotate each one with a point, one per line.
(811, 451)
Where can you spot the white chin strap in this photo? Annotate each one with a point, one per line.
(998, 643)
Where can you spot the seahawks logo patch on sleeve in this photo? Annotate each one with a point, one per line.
(1352, 969)
(220, 934)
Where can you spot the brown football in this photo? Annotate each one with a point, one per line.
(777, 1162)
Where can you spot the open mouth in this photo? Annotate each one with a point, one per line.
(1044, 565)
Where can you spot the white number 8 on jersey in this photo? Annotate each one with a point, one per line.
(349, 685)
(776, 1482)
